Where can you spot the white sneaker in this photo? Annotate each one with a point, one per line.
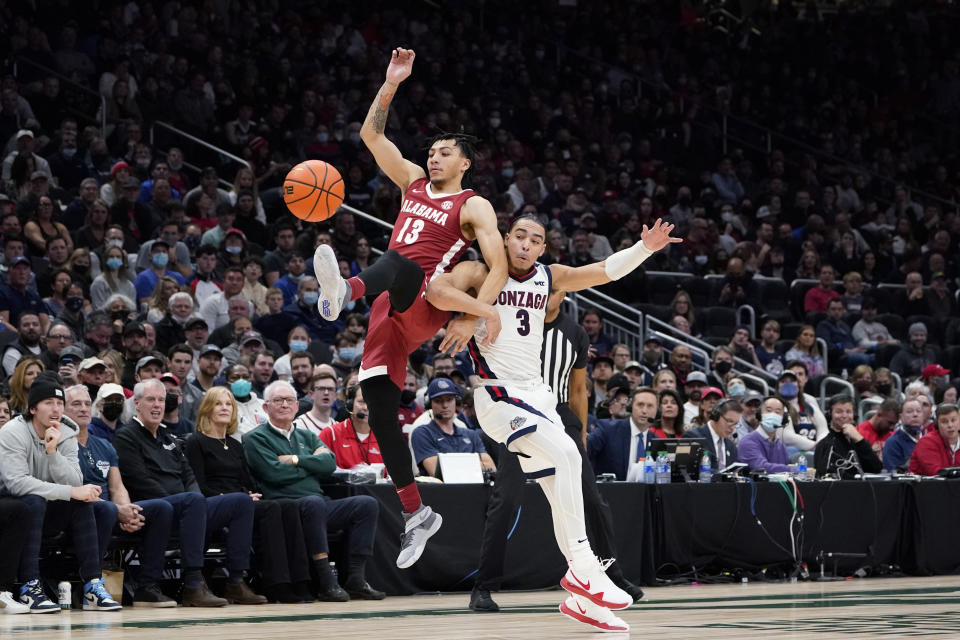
(582, 610)
(420, 526)
(594, 585)
(10, 606)
(333, 288)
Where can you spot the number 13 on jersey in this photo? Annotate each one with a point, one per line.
(409, 237)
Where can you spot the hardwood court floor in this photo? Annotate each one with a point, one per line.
(877, 608)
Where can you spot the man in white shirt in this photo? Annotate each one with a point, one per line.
(867, 331)
(323, 392)
(215, 309)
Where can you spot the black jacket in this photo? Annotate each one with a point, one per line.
(834, 451)
(152, 467)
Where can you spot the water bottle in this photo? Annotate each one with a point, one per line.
(706, 469)
(802, 467)
(65, 595)
(649, 473)
(667, 469)
(662, 466)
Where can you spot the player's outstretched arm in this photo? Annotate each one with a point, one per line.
(388, 157)
(616, 266)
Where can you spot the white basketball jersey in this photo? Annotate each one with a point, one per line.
(522, 305)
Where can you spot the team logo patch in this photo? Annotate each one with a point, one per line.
(446, 205)
(517, 422)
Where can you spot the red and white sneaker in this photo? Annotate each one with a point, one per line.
(594, 585)
(601, 619)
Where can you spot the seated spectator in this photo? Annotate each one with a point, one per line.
(441, 435)
(844, 452)
(852, 292)
(693, 387)
(682, 305)
(304, 313)
(939, 448)
(867, 331)
(250, 411)
(282, 474)
(736, 285)
(709, 398)
(671, 415)
(617, 404)
(114, 278)
(718, 432)
(174, 420)
(205, 282)
(99, 466)
(721, 367)
(599, 377)
(39, 465)
(807, 424)
(351, 440)
(23, 376)
(806, 350)
(937, 380)
(16, 297)
(170, 328)
(942, 302)
(750, 418)
(146, 281)
(215, 308)
(158, 301)
(878, 429)
(153, 466)
(621, 356)
(763, 448)
(912, 357)
(899, 446)
(208, 367)
(592, 323)
(863, 382)
(681, 363)
(912, 301)
(741, 346)
(817, 297)
(839, 338)
(253, 289)
(296, 265)
(279, 539)
(107, 409)
(663, 379)
(29, 343)
(883, 383)
(618, 446)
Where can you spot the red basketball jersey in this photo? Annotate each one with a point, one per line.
(427, 229)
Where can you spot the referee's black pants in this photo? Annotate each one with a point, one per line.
(502, 509)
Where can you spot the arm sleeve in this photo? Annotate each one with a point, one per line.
(132, 468)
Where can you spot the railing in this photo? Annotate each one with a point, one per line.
(223, 153)
(64, 80)
(764, 387)
(836, 381)
(695, 352)
(621, 321)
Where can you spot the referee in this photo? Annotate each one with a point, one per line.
(564, 360)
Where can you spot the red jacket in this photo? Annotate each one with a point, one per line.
(341, 438)
(931, 454)
(876, 441)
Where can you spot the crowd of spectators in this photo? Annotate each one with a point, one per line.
(131, 255)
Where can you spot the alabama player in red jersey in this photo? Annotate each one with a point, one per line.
(437, 223)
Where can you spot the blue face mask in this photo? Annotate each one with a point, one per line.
(347, 354)
(240, 388)
(771, 422)
(114, 263)
(736, 390)
(789, 390)
(234, 250)
(310, 298)
(297, 346)
(701, 259)
(160, 259)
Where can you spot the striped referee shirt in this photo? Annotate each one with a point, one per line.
(565, 346)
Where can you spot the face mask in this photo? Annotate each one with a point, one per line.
(112, 410)
(234, 250)
(240, 388)
(723, 367)
(701, 259)
(310, 298)
(407, 396)
(736, 390)
(170, 403)
(68, 153)
(74, 304)
(913, 431)
(789, 390)
(175, 166)
(884, 389)
(651, 357)
(770, 422)
(323, 137)
(347, 354)
(160, 259)
(355, 138)
(114, 243)
(81, 268)
(507, 173)
(296, 346)
(114, 263)
(92, 388)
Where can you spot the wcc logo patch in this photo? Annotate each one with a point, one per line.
(446, 205)
(517, 422)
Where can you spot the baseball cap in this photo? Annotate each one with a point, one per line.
(169, 377)
(609, 194)
(603, 357)
(145, 360)
(250, 336)
(934, 371)
(194, 319)
(90, 363)
(751, 396)
(709, 391)
(71, 354)
(233, 231)
(633, 364)
(23, 133)
(653, 338)
(109, 389)
(696, 376)
(38, 175)
(133, 327)
(210, 348)
(442, 387)
(159, 241)
(20, 260)
(588, 214)
(787, 373)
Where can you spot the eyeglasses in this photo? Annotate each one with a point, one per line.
(57, 337)
(326, 389)
(283, 402)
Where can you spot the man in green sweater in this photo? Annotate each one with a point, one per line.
(290, 463)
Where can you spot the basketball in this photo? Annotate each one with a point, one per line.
(313, 190)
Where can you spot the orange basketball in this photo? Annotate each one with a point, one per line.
(313, 190)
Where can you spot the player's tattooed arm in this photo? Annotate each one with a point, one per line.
(380, 109)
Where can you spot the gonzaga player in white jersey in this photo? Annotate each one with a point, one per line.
(515, 407)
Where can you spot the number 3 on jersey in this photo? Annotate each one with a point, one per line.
(414, 233)
(524, 317)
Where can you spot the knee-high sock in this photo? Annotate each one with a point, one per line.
(559, 531)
